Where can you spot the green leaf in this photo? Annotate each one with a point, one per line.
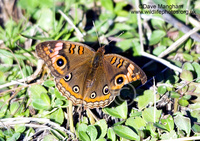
(145, 99)
(1, 135)
(125, 132)
(14, 137)
(49, 138)
(136, 123)
(188, 66)
(107, 4)
(186, 97)
(19, 128)
(157, 24)
(166, 41)
(150, 126)
(58, 116)
(101, 127)
(156, 36)
(42, 103)
(162, 89)
(44, 16)
(159, 2)
(151, 114)
(123, 26)
(188, 57)
(14, 107)
(2, 139)
(101, 139)
(58, 102)
(188, 45)
(6, 62)
(82, 127)
(39, 105)
(92, 132)
(85, 120)
(196, 128)
(119, 111)
(195, 111)
(83, 136)
(111, 135)
(158, 50)
(168, 123)
(183, 102)
(195, 106)
(183, 123)
(36, 91)
(186, 76)
(125, 44)
(169, 135)
(29, 5)
(119, 9)
(174, 94)
(58, 94)
(197, 70)
(2, 78)
(160, 126)
(49, 83)
(136, 48)
(3, 109)
(119, 123)
(45, 98)
(135, 113)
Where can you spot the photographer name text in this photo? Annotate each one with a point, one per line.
(172, 6)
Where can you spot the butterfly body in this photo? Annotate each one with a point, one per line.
(85, 76)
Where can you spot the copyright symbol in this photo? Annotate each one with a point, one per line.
(122, 98)
(141, 6)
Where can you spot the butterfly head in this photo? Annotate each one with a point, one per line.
(101, 49)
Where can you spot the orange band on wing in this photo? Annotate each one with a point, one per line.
(137, 77)
(46, 50)
(79, 96)
(113, 60)
(98, 98)
(69, 89)
(58, 69)
(120, 63)
(72, 48)
(80, 51)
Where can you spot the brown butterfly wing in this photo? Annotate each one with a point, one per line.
(62, 56)
(77, 90)
(103, 87)
(121, 71)
(98, 94)
(70, 63)
(72, 85)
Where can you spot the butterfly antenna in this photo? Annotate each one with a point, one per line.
(113, 39)
(97, 34)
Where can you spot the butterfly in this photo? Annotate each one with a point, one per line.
(86, 76)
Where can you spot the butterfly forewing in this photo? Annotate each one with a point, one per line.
(124, 71)
(61, 56)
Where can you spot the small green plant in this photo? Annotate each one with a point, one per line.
(166, 107)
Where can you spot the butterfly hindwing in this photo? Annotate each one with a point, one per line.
(80, 90)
